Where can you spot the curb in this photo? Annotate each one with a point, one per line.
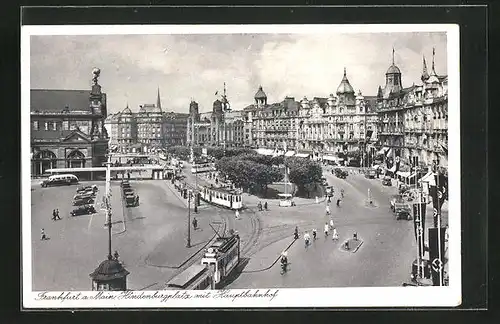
(275, 261)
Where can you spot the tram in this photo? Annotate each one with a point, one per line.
(196, 277)
(203, 167)
(221, 197)
(222, 257)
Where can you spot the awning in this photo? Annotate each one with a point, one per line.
(389, 152)
(264, 151)
(330, 158)
(382, 150)
(290, 153)
(429, 177)
(302, 155)
(404, 174)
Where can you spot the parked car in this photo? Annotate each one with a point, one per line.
(400, 207)
(92, 188)
(132, 200)
(339, 173)
(84, 201)
(370, 174)
(387, 181)
(83, 210)
(84, 195)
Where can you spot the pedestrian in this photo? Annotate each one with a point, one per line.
(54, 215)
(335, 236)
(265, 205)
(195, 223)
(296, 233)
(57, 214)
(314, 234)
(237, 214)
(328, 209)
(307, 239)
(43, 236)
(338, 202)
(326, 229)
(259, 205)
(331, 223)
(128, 175)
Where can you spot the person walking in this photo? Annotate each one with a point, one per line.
(265, 205)
(54, 215)
(259, 205)
(296, 233)
(43, 237)
(314, 234)
(195, 223)
(328, 209)
(331, 224)
(237, 214)
(57, 214)
(335, 235)
(326, 229)
(338, 202)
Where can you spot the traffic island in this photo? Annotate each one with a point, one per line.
(370, 203)
(352, 245)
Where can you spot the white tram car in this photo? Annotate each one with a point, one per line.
(221, 197)
(203, 167)
(196, 277)
(222, 257)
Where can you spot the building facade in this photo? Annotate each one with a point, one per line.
(222, 126)
(67, 128)
(413, 121)
(148, 129)
(345, 122)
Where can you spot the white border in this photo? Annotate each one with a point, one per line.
(315, 297)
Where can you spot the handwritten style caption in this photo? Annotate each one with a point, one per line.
(162, 296)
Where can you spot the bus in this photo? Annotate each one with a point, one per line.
(59, 180)
(196, 277)
(222, 257)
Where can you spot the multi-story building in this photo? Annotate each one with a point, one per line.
(216, 128)
(67, 128)
(148, 129)
(413, 121)
(321, 125)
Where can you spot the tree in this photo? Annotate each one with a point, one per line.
(303, 172)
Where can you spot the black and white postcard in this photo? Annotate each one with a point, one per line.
(250, 166)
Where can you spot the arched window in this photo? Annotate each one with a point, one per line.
(42, 161)
(75, 159)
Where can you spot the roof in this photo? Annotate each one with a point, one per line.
(345, 86)
(150, 108)
(393, 69)
(184, 278)
(260, 94)
(57, 100)
(108, 270)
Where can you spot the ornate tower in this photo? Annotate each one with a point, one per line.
(345, 92)
(425, 74)
(158, 100)
(260, 98)
(96, 105)
(392, 79)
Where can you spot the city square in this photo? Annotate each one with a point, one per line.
(282, 188)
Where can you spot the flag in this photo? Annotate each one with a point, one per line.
(419, 225)
(444, 148)
(397, 162)
(436, 254)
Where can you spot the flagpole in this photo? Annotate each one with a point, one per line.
(439, 228)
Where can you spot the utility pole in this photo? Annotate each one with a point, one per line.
(188, 245)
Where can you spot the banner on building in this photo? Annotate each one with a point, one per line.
(436, 254)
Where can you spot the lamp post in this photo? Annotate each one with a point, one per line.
(188, 245)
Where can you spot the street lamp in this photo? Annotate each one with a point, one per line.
(188, 245)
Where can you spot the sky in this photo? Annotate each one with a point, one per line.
(193, 67)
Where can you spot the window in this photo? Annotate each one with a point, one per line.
(46, 125)
(35, 125)
(54, 126)
(65, 125)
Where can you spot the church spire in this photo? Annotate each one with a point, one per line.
(158, 101)
(425, 73)
(433, 71)
(393, 56)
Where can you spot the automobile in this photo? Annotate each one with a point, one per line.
(132, 200)
(400, 207)
(339, 173)
(84, 195)
(387, 182)
(59, 180)
(83, 210)
(370, 174)
(83, 201)
(92, 188)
